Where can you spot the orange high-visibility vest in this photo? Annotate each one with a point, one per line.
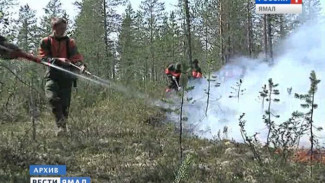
(196, 74)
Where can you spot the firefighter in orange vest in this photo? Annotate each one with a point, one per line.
(61, 51)
(196, 70)
(173, 73)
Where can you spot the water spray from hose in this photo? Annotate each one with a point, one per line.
(86, 75)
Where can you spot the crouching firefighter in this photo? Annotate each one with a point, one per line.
(173, 73)
(196, 70)
(60, 50)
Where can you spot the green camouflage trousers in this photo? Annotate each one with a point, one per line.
(58, 93)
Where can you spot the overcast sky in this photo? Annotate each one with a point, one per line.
(38, 5)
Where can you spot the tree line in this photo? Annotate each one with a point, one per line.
(135, 47)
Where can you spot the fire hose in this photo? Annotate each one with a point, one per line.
(21, 54)
(178, 87)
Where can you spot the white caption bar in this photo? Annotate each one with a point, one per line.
(45, 180)
(278, 8)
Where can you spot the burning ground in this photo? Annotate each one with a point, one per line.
(295, 58)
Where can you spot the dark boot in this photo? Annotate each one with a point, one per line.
(60, 119)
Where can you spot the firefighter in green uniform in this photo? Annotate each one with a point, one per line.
(60, 50)
(173, 73)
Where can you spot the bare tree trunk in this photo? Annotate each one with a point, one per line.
(206, 41)
(311, 135)
(265, 37)
(184, 39)
(269, 115)
(152, 54)
(181, 127)
(26, 37)
(282, 33)
(221, 47)
(173, 50)
(106, 42)
(230, 32)
(146, 70)
(209, 69)
(113, 64)
(270, 38)
(249, 29)
(209, 87)
(229, 50)
(32, 109)
(188, 25)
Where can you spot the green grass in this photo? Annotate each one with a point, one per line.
(122, 139)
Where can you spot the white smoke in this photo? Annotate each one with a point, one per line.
(302, 52)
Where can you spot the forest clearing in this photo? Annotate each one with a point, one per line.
(175, 91)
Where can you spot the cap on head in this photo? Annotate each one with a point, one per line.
(195, 61)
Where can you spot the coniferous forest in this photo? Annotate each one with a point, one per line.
(124, 127)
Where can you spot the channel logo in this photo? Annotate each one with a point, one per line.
(53, 170)
(60, 180)
(278, 6)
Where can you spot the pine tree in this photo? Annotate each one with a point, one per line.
(141, 55)
(310, 104)
(169, 44)
(89, 34)
(52, 9)
(27, 28)
(7, 28)
(205, 31)
(249, 25)
(311, 10)
(126, 45)
(188, 30)
(270, 94)
(112, 23)
(28, 40)
(152, 12)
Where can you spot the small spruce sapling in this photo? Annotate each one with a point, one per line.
(237, 92)
(310, 104)
(271, 93)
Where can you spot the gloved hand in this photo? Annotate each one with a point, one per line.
(63, 61)
(83, 68)
(48, 60)
(174, 77)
